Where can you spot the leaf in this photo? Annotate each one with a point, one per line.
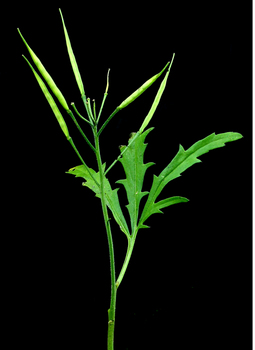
(182, 161)
(135, 169)
(111, 196)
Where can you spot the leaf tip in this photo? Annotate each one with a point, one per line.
(145, 226)
(122, 147)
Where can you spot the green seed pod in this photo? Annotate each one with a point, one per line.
(157, 99)
(72, 59)
(46, 76)
(139, 91)
(52, 103)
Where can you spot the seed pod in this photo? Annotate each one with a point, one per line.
(139, 91)
(51, 102)
(46, 76)
(72, 59)
(107, 84)
(156, 100)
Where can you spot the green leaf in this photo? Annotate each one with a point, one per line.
(155, 208)
(182, 161)
(135, 169)
(111, 196)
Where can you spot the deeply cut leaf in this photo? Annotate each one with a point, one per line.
(135, 169)
(182, 161)
(111, 196)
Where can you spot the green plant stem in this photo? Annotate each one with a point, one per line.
(102, 105)
(131, 243)
(107, 121)
(72, 104)
(84, 99)
(94, 110)
(77, 152)
(111, 311)
(105, 95)
(90, 110)
(80, 129)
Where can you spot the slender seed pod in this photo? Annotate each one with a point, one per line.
(52, 103)
(139, 91)
(46, 76)
(156, 100)
(107, 84)
(72, 59)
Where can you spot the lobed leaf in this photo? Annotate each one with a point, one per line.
(154, 209)
(135, 169)
(111, 196)
(182, 161)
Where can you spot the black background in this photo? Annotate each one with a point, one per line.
(189, 280)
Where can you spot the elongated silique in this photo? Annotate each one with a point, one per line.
(141, 89)
(52, 103)
(46, 76)
(156, 100)
(73, 59)
(133, 97)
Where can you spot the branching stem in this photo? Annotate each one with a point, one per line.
(72, 104)
(111, 311)
(80, 129)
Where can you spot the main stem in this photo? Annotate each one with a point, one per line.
(111, 311)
